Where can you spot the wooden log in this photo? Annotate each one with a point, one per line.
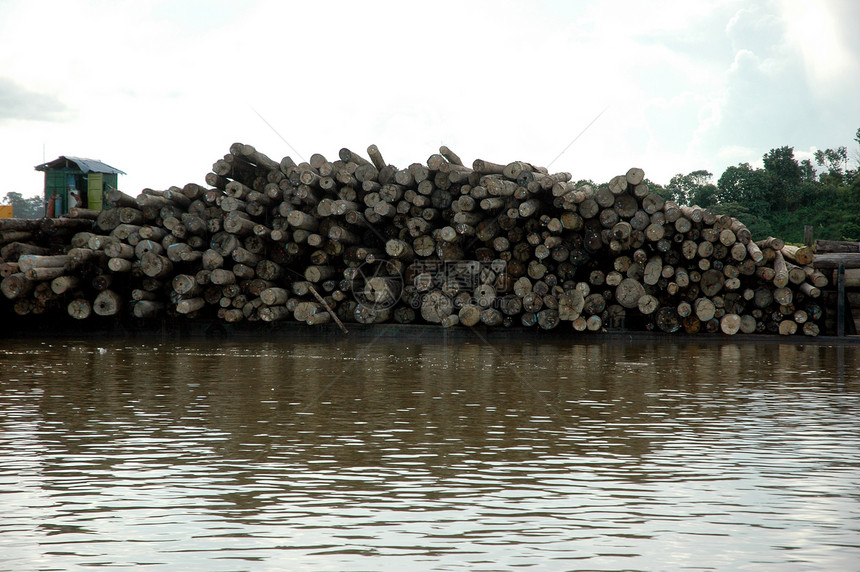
(787, 327)
(15, 250)
(772, 243)
(29, 261)
(275, 296)
(147, 309)
(594, 324)
(315, 273)
(712, 282)
(618, 185)
(155, 265)
(851, 277)
(667, 319)
(107, 303)
(830, 261)
(269, 270)
(635, 176)
(653, 270)
(730, 324)
(80, 309)
(381, 291)
(647, 304)
(146, 246)
(469, 315)
(812, 329)
(185, 285)
(435, 306)
(836, 247)
(232, 315)
(818, 279)
(491, 317)
(20, 224)
(153, 233)
(41, 274)
(628, 293)
(102, 282)
(274, 313)
(62, 284)
(190, 305)
(370, 315)
(548, 319)
(704, 309)
(16, 285)
(783, 296)
(139, 294)
(799, 254)
(119, 250)
(78, 212)
(302, 220)
(486, 167)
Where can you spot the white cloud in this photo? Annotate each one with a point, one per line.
(161, 89)
(812, 28)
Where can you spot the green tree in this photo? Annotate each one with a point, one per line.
(836, 162)
(783, 166)
(742, 184)
(850, 231)
(853, 174)
(807, 172)
(785, 195)
(24, 208)
(690, 188)
(784, 174)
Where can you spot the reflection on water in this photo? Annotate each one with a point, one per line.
(378, 456)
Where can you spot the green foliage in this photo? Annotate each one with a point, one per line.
(781, 198)
(807, 171)
(24, 208)
(743, 184)
(685, 189)
(851, 231)
(836, 161)
(783, 167)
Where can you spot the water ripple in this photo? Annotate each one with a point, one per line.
(371, 456)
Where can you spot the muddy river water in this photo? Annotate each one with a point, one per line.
(395, 455)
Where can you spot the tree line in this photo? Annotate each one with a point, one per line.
(782, 196)
(32, 207)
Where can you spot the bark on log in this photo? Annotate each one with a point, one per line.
(147, 309)
(836, 247)
(833, 260)
(190, 305)
(798, 254)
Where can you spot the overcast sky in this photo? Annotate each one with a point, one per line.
(161, 89)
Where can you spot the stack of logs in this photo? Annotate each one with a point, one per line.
(358, 240)
(829, 254)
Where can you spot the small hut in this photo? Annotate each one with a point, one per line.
(88, 179)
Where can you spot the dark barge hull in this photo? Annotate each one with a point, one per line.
(35, 327)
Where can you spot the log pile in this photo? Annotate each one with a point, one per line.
(358, 240)
(829, 255)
